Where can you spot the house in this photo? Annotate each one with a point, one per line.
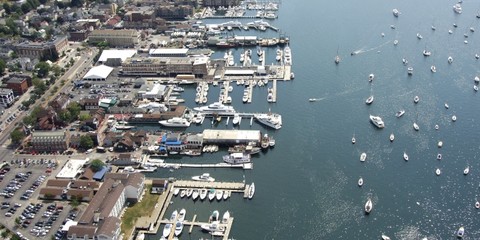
(124, 159)
(60, 102)
(126, 144)
(159, 186)
(6, 97)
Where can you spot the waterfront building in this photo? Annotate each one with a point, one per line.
(115, 38)
(165, 66)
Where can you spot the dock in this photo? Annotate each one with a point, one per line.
(250, 91)
(245, 166)
(274, 90)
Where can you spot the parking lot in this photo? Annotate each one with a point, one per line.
(23, 212)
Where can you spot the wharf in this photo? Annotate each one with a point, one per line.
(245, 166)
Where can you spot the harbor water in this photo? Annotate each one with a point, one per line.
(306, 187)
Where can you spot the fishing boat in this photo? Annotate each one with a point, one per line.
(219, 194)
(466, 170)
(363, 157)
(251, 190)
(392, 137)
(461, 232)
(369, 100)
(433, 69)
(360, 182)
(205, 177)
(368, 206)
(405, 156)
(400, 113)
(438, 172)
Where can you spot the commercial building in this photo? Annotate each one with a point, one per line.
(115, 38)
(171, 66)
(19, 84)
(47, 50)
(168, 52)
(49, 141)
(231, 137)
(98, 73)
(218, 3)
(6, 97)
(115, 57)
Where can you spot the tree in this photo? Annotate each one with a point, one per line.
(84, 116)
(3, 65)
(42, 69)
(18, 221)
(86, 142)
(4, 234)
(97, 165)
(74, 108)
(17, 136)
(7, 8)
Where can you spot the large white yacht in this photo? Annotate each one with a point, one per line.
(377, 121)
(272, 120)
(205, 177)
(237, 158)
(216, 107)
(175, 122)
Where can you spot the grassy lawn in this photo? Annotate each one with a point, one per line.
(143, 208)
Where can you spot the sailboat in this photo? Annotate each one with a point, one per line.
(337, 58)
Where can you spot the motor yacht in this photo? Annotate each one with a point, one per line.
(226, 217)
(211, 194)
(237, 158)
(175, 122)
(438, 172)
(426, 53)
(166, 230)
(236, 119)
(457, 8)
(178, 228)
(195, 194)
(461, 232)
(273, 120)
(416, 99)
(205, 177)
(415, 126)
(251, 190)
(392, 137)
(377, 121)
(216, 107)
(395, 12)
(203, 194)
(214, 217)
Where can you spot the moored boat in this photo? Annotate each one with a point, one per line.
(251, 191)
(205, 177)
(363, 157)
(211, 194)
(214, 216)
(400, 113)
(175, 122)
(203, 193)
(219, 194)
(466, 170)
(439, 156)
(415, 126)
(405, 156)
(369, 100)
(438, 172)
(392, 137)
(395, 12)
(167, 229)
(368, 206)
(181, 215)
(237, 158)
(360, 182)
(195, 194)
(433, 69)
(178, 228)
(385, 237)
(377, 121)
(416, 99)
(269, 119)
(461, 232)
(226, 217)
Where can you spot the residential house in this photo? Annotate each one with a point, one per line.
(60, 102)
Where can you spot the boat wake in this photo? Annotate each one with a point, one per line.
(363, 50)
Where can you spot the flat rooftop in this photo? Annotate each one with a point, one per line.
(72, 168)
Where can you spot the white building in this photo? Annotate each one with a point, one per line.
(98, 73)
(6, 97)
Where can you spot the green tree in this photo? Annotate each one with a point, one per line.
(86, 142)
(65, 116)
(7, 8)
(74, 108)
(17, 136)
(18, 221)
(84, 116)
(96, 165)
(3, 65)
(42, 69)
(4, 234)
(26, 7)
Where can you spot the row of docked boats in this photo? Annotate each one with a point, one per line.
(215, 225)
(210, 148)
(202, 193)
(176, 225)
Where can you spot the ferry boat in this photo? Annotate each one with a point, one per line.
(377, 121)
(272, 120)
(175, 122)
(251, 191)
(216, 107)
(237, 158)
(205, 177)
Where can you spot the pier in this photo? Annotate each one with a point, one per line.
(274, 91)
(245, 166)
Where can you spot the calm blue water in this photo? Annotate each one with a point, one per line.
(307, 185)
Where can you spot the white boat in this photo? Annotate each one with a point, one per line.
(433, 69)
(203, 194)
(226, 217)
(439, 156)
(175, 122)
(395, 12)
(211, 194)
(477, 56)
(120, 126)
(173, 217)
(461, 232)
(404, 61)
(226, 194)
(214, 217)
(230, 88)
(278, 57)
(438, 172)
(371, 77)
(395, 42)
(183, 192)
(377, 121)
(178, 228)
(195, 194)
(450, 59)
(454, 118)
(213, 227)
(167, 230)
(251, 191)
(400, 113)
(273, 120)
(242, 57)
(237, 158)
(198, 118)
(450, 31)
(368, 206)
(466, 170)
(446, 105)
(419, 36)
(475, 87)
(337, 59)
(385, 237)
(181, 215)
(382, 34)
(189, 192)
(236, 119)
(219, 194)
(363, 157)
(477, 204)
(178, 89)
(416, 99)
(245, 98)
(353, 139)
(392, 137)
(270, 97)
(426, 53)
(415, 126)
(410, 70)
(216, 107)
(369, 100)
(176, 191)
(476, 79)
(405, 156)
(205, 177)
(360, 182)
(457, 8)
(440, 144)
